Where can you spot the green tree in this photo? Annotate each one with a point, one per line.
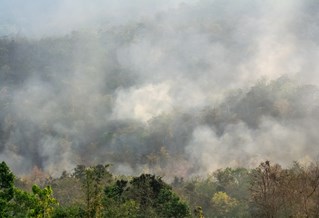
(168, 204)
(146, 196)
(224, 205)
(22, 205)
(15, 202)
(44, 201)
(6, 187)
(93, 181)
(39, 204)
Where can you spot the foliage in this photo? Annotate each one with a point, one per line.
(205, 193)
(68, 190)
(198, 212)
(277, 192)
(73, 211)
(147, 196)
(18, 203)
(266, 191)
(44, 201)
(23, 204)
(125, 209)
(223, 205)
(93, 180)
(168, 204)
(6, 187)
(39, 203)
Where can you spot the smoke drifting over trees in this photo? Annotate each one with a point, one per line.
(159, 86)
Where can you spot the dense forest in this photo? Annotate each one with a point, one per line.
(180, 108)
(266, 191)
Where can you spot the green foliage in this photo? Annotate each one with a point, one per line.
(117, 190)
(200, 192)
(93, 180)
(73, 211)
(18, 203)
(145, 196)
(273, 192)
(24, 204)
(224, 205)
(44, 201)
(234, 181)
(39, 203)
(125, 209)
(146, 188)
(198, 212)
(6, 187)
(168, 204)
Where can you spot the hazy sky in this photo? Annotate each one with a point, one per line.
(46, 17)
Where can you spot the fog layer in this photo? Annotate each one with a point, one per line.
(170, 87)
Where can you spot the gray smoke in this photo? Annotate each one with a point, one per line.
(170, 87)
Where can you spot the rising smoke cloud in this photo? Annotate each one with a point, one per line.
(158, 86)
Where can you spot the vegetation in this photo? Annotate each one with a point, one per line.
(266, 191)
(18, 203)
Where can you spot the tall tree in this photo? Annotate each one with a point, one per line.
(6, 187)
(93, 181)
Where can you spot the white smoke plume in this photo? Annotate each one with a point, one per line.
(183, 86)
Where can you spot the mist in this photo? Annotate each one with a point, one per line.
(168, 87)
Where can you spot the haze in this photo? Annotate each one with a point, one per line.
(170, 87)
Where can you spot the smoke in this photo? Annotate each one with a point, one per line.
(170, 87)
(242, 146)
(142, 103)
